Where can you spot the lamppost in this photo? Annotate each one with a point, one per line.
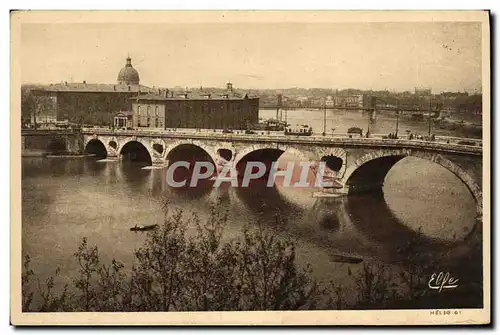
(278, 107)
(430, 114)
(324, 118)
(35, 106)
(397, 119)
(286, 114)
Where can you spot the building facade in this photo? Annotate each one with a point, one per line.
(123, 120)
(356, 100)
(196, 109)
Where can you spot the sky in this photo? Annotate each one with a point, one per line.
(445, 56)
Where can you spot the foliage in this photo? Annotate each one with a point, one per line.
(34, 107)
(49, 301)
(176, 271)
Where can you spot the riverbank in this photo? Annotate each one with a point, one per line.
(42, 153)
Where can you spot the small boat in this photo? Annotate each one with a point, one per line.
(144, 228)
(346, 259)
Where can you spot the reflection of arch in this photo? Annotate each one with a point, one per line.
(131, 175)
(371, 169)
(259, 198)
(136, 151)
(374, 219)
(96, 147)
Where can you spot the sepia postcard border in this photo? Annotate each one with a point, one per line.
(351, 317)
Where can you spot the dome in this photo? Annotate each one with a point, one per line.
(128, 75)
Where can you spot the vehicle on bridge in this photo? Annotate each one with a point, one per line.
(302, 130)
(271, 125)
(355, 130)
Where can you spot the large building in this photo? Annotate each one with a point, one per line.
(196, 109)
(113, 104)
(339, 101)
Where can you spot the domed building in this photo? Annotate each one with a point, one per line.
(127, 104)
(128, 75)
(90, 103)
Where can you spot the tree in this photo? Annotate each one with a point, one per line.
(35, 108)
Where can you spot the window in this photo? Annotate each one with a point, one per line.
(149, 110)
(156, 110)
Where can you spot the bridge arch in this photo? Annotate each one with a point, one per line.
(96, 146)
(278, 151)
(369, 171)
(168, 148)
(135, 150)
(192, 153)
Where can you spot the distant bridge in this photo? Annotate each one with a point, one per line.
(401, 110)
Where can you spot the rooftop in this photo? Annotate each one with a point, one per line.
(201, 94)
(86, 87)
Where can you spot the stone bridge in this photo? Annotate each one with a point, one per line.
(358, 164)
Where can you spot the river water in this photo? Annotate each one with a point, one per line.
(66, 199)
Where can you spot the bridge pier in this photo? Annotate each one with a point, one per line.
(114, 156)
(158, 162)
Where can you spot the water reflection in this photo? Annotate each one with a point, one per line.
(133, 174)
(259, 198)
(372, 216)
(94, 167)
